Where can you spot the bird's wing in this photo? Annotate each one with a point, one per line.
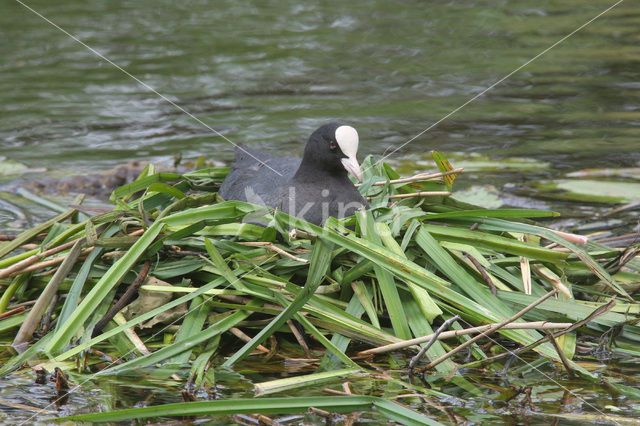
(257, 175)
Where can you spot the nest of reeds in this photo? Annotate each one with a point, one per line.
(173, 259)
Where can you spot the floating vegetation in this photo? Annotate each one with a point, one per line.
(445, 292)
(475, 162)
(591, 190)
(12, 168)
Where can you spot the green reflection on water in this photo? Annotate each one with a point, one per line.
(267, 75)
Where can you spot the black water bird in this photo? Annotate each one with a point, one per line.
(313, 188)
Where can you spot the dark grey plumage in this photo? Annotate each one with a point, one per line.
(313, 188)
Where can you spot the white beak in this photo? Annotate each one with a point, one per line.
(352, 166)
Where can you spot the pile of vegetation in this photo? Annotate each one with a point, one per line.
(216, 282)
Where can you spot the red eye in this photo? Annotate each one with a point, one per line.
(332, 145)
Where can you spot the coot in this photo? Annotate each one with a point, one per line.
(313, 188)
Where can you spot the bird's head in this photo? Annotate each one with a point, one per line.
(334, 146)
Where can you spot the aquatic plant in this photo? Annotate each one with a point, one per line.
(207, 277)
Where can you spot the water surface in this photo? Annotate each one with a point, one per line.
(268, 75)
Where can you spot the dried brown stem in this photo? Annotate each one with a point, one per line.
(536, 325)
(239, 300)
(483, 273)
(132, 335)
(438, 332)
(17, 268)
(629, 206)
(420, 194)
(491, 330)
(25, 407)
(620, 240)
(525, 268)
(12, 312)
(416, 194)
(126, 298)
(274, 248)
(25, 304)
(574, 238)
(335, 392)
(300, 338)
(51, 262)
(267, 420)
(321, 413)
(417, 178)
(242, 336)
(552, 279)
(561, 354)
(29, 265)
(297, 234)
(601, 310)
(30, 246)
(286, 254)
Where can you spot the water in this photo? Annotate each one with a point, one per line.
(268, 75)
(554, 394)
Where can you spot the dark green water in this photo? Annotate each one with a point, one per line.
(268, 74)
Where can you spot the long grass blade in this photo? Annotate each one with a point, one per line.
(109, 280)
(177, 348)
(290, 405)
(320, 262)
